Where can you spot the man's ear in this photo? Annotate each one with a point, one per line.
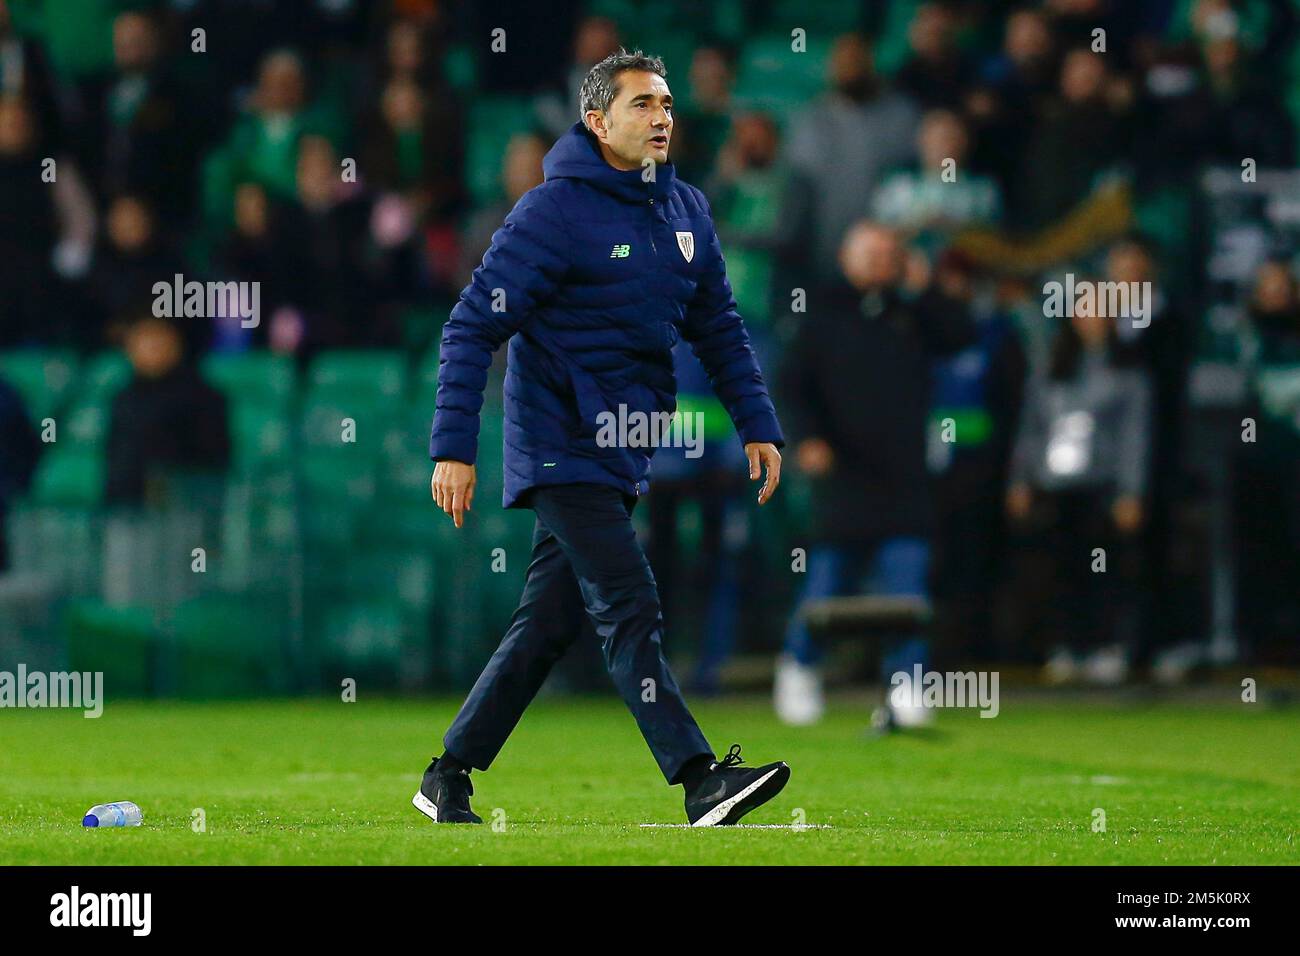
(596, 123)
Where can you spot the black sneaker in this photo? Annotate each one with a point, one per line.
(729, 791)
(444, 795)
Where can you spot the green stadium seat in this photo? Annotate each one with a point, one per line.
(377, 376)
(345, 481)
(60, 544)
(406, 523)
(460, 67)
(623, 12)
(353, 427)
(673, 43)
(775, 79)
(120, 642)
(261, 437)
(893, 47)
(104, 376)
(422, 326)
(402, 575)
(43, 378)
(87, 423)
(425, 382)
(262, 378)
(829, 18)
(89, 411)
(405, 467)
(328, 531)
(750, 273)
(69, 477)
(363, 639)
(492, 121)
(227, 646)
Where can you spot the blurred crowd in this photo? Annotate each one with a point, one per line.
(888, 227)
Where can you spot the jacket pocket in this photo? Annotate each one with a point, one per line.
(590, 403)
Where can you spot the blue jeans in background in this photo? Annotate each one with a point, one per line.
(895, 567)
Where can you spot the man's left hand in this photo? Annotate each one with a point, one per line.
(760, 455)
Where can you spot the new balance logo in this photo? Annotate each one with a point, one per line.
(621, 252)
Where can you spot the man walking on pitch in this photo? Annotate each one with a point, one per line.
(594, 276)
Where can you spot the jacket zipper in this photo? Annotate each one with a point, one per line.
(636, 485)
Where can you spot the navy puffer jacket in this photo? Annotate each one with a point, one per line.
(593, 278)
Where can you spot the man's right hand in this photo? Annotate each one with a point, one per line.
(453, 488)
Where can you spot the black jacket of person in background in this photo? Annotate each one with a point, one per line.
(858, 376)
(19, 449)
(174, 421)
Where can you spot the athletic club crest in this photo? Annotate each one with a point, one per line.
(686, 243)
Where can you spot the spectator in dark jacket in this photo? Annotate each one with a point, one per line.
(166, 418)
(1014, 87)
(857, 386)
(25, 72)
(938, 74)
(323, 257)
(1161, 349)
(1242, 111)
(28, 228)
(21, 449)
(1078, 138)
(143, 136)
(977, 393)
(135, 256)
(1268, 470)
(707, 117)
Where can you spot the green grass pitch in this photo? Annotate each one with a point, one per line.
(322, 782)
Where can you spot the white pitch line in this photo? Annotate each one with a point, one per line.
(741, 826)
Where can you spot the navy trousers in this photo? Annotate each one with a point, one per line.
(585, 552)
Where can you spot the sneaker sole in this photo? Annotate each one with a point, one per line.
(425, 806)
(430, 810)
(755, 795)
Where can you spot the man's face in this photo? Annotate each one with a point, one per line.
(15, 126)
(154, 348)
(128, 224)
(1028, 37)
(756, 140)
(280, 85)
(931, 32)
(1083, 76)
(133, 42)
(1091, 327)
(523, 165)
(638, 124)
(1274, 288)
(851, 65)
(1128, 262)
(942, 136)
(871, 257)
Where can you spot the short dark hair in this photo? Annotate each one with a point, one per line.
(600, 86)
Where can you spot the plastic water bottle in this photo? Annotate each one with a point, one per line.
(122, 814)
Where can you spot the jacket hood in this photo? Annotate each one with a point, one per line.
(576, 155)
